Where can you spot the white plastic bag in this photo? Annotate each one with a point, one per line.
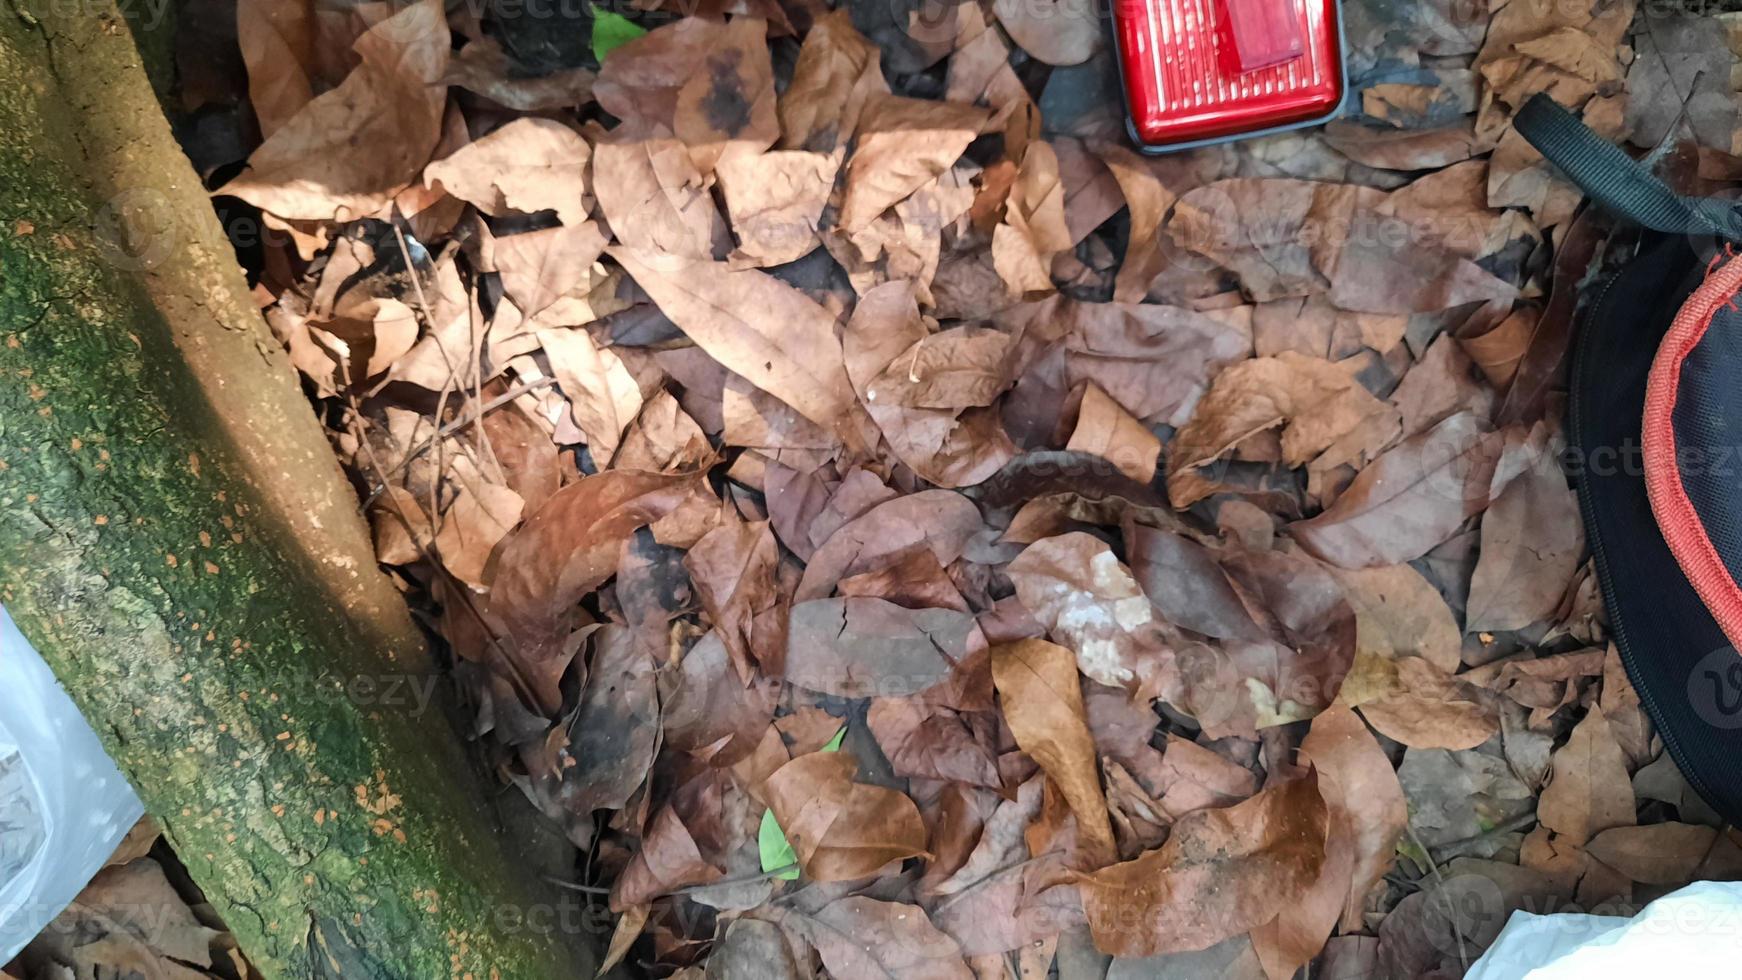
(64, 807)
(1695, 933)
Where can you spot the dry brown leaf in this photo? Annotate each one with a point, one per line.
(726, 106)
(277, 42)
(1365, 800)
(1399, 613)
(1221, 873)
(1034, 227)
(480, 514)
(1057, 32)
(775, 203)
(757, 326)
(861, 938)
(837, 72)
(1196, 778)
(1532, 542)
(1499, 348)
(1078, 589)
(923, 740)
(1314, 402)
(656, 200)
(1409, 500)
(348, 151)
(668, 859)
(1413, 702)
(1590, 791)
(902, 144)
(603, 396)
(1441, 384)
(566, 550)
(883, 346)
(1043, 705)
(735, 569)
(1659, 854)
(601, 756)
(855, 647)
(531, 164)
(483, 67)
(840, 829)
(1106, 430)
(539, 267)
(938, 520)
(1148, 200)
(1154, 360)
(664, 439)
(1403, 149)
(959, 368)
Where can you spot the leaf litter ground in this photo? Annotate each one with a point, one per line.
(893, 529)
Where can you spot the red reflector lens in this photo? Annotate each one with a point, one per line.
(1198, 71)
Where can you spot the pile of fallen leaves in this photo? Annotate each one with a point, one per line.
(897, 530)
(134, 919)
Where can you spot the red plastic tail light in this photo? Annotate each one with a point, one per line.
(1202, 71)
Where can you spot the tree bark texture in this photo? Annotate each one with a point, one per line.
(177, 540)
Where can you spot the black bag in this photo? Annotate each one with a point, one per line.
(1655, 428)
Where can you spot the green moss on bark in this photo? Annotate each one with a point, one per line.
(150, 560)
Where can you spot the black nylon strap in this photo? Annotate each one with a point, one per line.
(1617, 181)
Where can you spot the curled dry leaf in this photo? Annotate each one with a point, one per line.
(277, 42)
(1043, 705)
(840, 829)
(1106, 430)
(1148, 201)
(1409, 500)
(1314, 402)
(856, 647)
(349, 150)
(902, 144)
(1221, 873)
(529, 165)
(837, 72)
(1080, 591)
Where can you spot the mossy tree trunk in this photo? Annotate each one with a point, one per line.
(177, 540)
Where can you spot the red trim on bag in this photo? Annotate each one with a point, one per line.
(1676, 518)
